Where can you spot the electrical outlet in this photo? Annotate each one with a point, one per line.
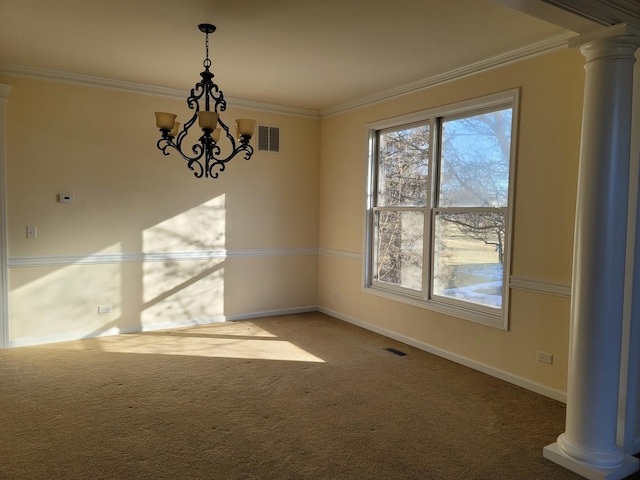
(544, 357)
(336, 296)
(104, 308)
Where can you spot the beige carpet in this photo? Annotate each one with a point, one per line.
(291, 397)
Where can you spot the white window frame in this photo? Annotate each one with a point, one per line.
(466, 310)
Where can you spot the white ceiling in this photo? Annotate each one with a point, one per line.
(298, 53)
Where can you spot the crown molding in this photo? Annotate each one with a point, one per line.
(622, 31)
(539, 48)
(140, 88)
(551, 13)
(605, 12)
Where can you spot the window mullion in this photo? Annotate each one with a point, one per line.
(431, 199)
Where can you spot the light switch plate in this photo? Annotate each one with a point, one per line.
(32, 232)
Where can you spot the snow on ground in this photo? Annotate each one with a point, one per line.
(483, 284)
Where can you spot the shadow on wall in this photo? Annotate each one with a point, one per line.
(177, 280)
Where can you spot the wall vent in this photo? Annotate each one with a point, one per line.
(268, 139)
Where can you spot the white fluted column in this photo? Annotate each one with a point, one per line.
(588, 445)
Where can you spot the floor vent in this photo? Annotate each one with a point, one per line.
(268, 139)
(395, 351)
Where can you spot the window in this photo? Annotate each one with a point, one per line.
(438, 211)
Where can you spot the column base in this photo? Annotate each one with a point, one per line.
(630, 465)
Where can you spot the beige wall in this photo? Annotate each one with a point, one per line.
(545, 191)
(100, 146)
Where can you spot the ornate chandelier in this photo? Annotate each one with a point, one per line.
(210, 155)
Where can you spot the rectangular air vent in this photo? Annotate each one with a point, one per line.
(268, 139)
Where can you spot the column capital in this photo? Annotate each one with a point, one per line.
(620, 39)
(619, 30)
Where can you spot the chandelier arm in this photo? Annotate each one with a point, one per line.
(163, 144)
(220, 166)
(245, 149)
(196, 94)
(198, 150)
(166, 143)
(224, 127)
(216, 94)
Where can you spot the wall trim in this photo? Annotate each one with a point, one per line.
(605, 12)
(538, 48)
(111, 258)
(4, 281)
(540, 286)
(141, 88)
(467, 362)
(515, 281)
(340, 253)
(30, 341)
(523, 53)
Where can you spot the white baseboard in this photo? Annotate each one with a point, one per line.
(467, 362)
(31, 341)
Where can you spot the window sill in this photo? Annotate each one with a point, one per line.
(499, 320)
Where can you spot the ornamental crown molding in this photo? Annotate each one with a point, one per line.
(113, 84)
(518, 54)
(604, 12)
(622, 30)
(546, 46)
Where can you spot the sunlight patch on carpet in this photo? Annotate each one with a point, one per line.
(200, 346)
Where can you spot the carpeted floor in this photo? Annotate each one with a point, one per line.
(291, 397)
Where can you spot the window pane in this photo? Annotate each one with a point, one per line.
(403, 161)
(468, 257)
(474, 170)
(399, 248)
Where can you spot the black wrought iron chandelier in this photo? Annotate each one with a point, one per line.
(210, 154)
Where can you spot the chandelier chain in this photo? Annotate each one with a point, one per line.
(207, 63)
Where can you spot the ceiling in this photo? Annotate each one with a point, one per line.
(312, 55)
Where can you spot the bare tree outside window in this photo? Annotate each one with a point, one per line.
(402, 181)
(439, 213)
(470, 213)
